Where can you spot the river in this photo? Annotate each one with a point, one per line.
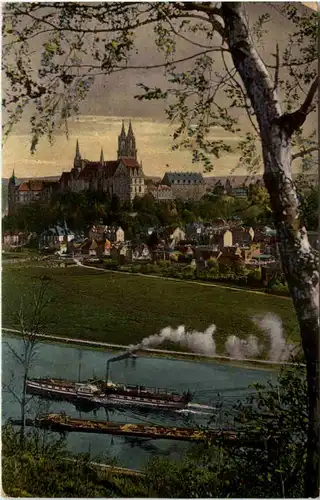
(204, 379)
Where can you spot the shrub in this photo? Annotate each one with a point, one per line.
(188, 272)
(254, 276)
(279, 288)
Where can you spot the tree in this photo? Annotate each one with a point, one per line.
(277, 97)
(30, 320)
(49, 470)
(275, 470)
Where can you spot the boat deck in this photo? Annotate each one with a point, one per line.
(65, 423)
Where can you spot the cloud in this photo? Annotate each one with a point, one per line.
(154, 140)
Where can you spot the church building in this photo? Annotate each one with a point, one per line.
(123, 177)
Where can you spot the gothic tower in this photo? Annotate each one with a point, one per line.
(12, 195)
(77, 158)
(131, 149)
(127, 143)
(122, 142)
(101, 157)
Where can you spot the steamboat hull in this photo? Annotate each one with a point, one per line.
(102, 400)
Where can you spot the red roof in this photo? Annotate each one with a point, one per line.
(24, 187)
(32, 185)
(130, 162)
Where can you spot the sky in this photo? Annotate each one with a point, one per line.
(108, 103)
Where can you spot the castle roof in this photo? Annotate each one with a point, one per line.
(184, 177)
(130, 162)
(32, 185)
(161, 187)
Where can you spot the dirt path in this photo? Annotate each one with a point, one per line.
(192, 282)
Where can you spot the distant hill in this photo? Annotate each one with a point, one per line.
(238, 180)
(51, 178)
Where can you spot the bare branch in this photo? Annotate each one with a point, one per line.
(117, 69)
(209, 9)
(183, 37)
(303, 153)
(293, 121)
(244, 96)
(305, 107)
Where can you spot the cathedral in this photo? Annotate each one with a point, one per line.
(123, 177)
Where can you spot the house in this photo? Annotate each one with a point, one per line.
(114, 234)
(242, 236)
(29, 191)
(231, 256)
(97, 233)
(221, 238)
(141, 253)
(185, 185)
(266, 240)
(205, 252)
(15, 239)
(96, 249)
(56, 237)
(122, 254)
(252, 252)
(194, 230)
(175, 234)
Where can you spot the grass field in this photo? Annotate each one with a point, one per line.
(123, 308)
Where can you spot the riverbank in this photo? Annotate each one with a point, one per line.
(157, 353)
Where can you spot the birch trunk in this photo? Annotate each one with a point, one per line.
(299, 262)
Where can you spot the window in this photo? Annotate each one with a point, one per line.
(140, 189)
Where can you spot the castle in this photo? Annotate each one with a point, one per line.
(123, 177)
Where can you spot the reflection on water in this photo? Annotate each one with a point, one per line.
(205, 380)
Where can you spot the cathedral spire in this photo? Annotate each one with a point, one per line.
(78, 155)
(130, 131)
(101, 157)
(123, 131)
(12, 179)
(131, 150)
(77, 158)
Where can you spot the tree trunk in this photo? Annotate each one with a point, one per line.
(299, 261)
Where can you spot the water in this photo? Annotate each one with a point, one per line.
(205, 380)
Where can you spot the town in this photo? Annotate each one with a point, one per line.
(112, 214)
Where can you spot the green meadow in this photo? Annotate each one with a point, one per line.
(124, 308)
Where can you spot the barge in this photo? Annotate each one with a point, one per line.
(64, 423)
(104, 393)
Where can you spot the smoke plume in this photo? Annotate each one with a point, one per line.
(204, 343)
(197, 342)
(239, 349)
(279, 350)
(272, 326)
